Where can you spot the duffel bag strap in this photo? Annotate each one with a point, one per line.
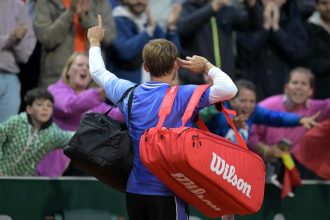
(200, 123)
(221, 108)
(239, 138)
(166, 105)
(130, 103)
(194, 100)
(121, 99)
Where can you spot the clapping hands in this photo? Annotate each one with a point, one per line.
(18, 33)
(271, 16)
(251, 3)
(151, 24)
(173, 17)
(218, 4)
(81, 7)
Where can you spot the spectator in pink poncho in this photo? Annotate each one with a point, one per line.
(74, 95)
(296, 99)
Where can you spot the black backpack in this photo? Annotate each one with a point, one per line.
(102, 147)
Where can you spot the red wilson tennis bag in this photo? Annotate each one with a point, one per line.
(213, 174)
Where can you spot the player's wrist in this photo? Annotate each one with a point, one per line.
(94, 43)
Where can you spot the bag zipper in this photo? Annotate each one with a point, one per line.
(211, 135)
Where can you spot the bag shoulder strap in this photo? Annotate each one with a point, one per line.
(125, 94)
(130, 102)
(166, 105)
(194, 100)
(239, 138)
(121, 99)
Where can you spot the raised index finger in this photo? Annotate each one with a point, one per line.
(100, 22)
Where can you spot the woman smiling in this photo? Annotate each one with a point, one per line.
(74, 94)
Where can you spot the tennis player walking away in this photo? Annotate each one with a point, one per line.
(146, 196)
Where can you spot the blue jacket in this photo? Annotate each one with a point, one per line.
(124, 57)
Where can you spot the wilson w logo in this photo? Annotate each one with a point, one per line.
(221, 168)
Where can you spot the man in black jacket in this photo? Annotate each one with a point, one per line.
(207, 27)
(318, 60)
(267, 55)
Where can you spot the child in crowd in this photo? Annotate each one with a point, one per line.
(27, 137)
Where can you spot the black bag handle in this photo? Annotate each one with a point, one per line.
(130, 100)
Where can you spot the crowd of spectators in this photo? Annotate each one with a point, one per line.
(268, 45)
